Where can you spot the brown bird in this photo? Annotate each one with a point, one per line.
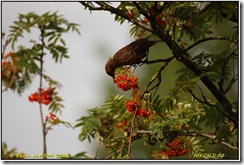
(129, 55)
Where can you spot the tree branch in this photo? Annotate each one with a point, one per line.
(182, 56)
(183, 133)
(179, 53)
(131, 133)
(208, 39)
(179, 133)
(106, 7)
(207, 103)
(158, 60)
(158, 76)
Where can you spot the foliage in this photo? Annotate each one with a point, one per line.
(188, 121)
(9, 154)
(21, 66)
(198, 115)
(51, 27)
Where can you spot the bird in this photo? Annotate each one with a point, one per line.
(130, 54)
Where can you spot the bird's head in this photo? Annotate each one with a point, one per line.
(110, 67)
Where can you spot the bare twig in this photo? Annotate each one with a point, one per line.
(131, 133)
(158, 76)
(183, 133)
(208, 39)
(158, 60)
(44, 133)
(234, 75)
(207, 103)
(223, 70)
(97, 147)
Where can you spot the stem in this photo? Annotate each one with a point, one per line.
(97, 148)
(40, 87)
(131, 132)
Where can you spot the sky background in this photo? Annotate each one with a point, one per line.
(83, 78)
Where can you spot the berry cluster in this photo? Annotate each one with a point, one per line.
(176, 152)
(176, 148)
(52, 118)
(159, 19)
(126, 83)
(42, 96)
(132, 105)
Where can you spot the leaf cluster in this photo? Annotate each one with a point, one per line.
(102, 123)
(51, 28)
(10, 153)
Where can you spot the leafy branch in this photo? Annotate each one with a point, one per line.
(24, 62)
(183, 26)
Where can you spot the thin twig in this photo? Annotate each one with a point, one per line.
(223, 71)
(183, 133)
(207, 136)
(158, 60)
(234, 76)
(131, 132)
(112, 154)
(158, 76)
(208, 39)
(97, 148)
(207, 103)
(40, 87)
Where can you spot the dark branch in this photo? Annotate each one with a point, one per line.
(106, 7)
(182, 56)
(141, 10)
(158, 60)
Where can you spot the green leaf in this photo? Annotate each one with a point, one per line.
(62, 41)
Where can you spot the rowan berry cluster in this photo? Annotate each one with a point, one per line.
(176, 148)
(126, 82)
(132, 106)
(176, 152)
(52, 118)
(42, 96)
